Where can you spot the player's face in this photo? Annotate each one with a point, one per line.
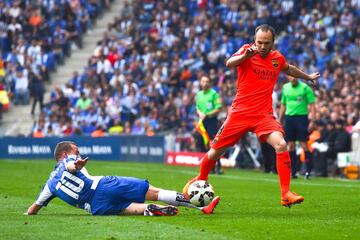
(74, 151)
(293, 81)
(264, 42)
(205, 83)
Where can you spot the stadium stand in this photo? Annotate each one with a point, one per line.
(145, 71)
(35, 39)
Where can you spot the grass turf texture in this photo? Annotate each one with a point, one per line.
(249, 207)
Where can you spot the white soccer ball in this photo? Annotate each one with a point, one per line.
(201, 193)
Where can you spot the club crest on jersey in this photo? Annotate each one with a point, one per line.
(275, 62)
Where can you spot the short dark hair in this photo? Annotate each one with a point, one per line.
(207, 76)
(266, 28)
(64, 146)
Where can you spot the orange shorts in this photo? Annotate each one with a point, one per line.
(236, 125)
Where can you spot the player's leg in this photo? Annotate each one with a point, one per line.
(177, 199)
(134, 209)
(278, 142)
(230, 132)
(208, 162)
(149, 210)
(125, 195)
(211, 126)
(170, 197)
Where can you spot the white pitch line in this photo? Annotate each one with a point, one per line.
(307, 183)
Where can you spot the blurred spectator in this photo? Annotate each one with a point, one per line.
(324, 150)
(83, 103)
(99, 132)
(38, 128)
(72, 32)
(21, 87)
(37, 35)
(116, 129)
(37, 90)
(342, 141)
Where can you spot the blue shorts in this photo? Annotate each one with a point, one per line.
(296, 128)
(114, 194)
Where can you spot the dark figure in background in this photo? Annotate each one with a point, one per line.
(342, 143)
(269, 156)
(208, 105)
(37, 91)
(323, 152)
(73, 33)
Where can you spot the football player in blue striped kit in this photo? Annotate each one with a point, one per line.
(106, 195)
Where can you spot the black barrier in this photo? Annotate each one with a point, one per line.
(123, 148)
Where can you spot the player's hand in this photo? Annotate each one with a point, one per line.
(80, 163)
(251, 51)
(202, 115)
(313, 77)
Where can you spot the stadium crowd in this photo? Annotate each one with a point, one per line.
(145, 71)
(36, 36)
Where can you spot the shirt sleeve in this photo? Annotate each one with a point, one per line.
(217, 100)
(197, 101)
(282, 61)
(310, 96)
(241, 50)
(45, 196)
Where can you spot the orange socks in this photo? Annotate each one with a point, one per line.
(205, 167)
(283, 164)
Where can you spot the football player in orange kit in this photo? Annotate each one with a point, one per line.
(258, 68)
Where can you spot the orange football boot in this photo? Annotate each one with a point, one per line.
(187, 185)
(209, 209)
(290, 199)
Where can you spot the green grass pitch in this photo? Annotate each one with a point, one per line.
(249, 207)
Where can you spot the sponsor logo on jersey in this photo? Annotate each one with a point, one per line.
(265, 74)
(275, 62)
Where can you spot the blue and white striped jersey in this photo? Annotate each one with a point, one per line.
(75, 188)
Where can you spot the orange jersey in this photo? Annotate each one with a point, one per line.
(256, 79)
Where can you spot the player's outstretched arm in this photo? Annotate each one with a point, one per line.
(295, 72)
(33, 209)
(236, 59)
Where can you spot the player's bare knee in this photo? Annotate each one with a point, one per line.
(212, 154)
(215, 154)
(152, 194)
(281, 146)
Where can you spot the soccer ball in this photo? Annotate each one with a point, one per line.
(200, 193)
